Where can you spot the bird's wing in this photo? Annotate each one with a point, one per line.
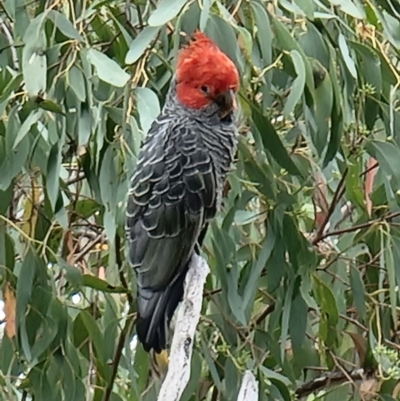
(172, 191)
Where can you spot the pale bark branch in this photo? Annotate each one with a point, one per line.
(249, 388)
(188, 316)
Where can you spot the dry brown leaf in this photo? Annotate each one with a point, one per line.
(360, 343)
(31, 209)
(71, 247)
(321, 205)
(9, 310)
(204, 387)
(396, 391)
(369, 182)
(102, 273)
(369, 389)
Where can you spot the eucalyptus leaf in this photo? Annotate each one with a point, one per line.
(165, 11)
(107, 69)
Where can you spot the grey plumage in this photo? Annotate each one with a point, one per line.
(175, 191)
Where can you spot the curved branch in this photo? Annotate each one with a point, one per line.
(249, 388)
(188, 316)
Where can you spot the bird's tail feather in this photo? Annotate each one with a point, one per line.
(155, 311)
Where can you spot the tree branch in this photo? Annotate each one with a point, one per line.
(359, 226)
(249, 388)
(118, 353)
(340, 190)
(185, 328)
(333, 378)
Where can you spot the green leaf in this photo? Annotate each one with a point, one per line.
(84, 125)
(141, 366)
(371, 73)
(2, 246)
(308, 6)
(223, 34)
(101, 285)
(77, 82)
(23, 295)
(354, 9)
(205, 13)
(286, 309)
(48, 330)
(358, 291)
(53, 174)
(51, 106)
(64, 25)
(243, 217)
(390, 267)
(298, 322)
(323, 111)
(329, 312)
(34, 61)
(337, 123)
(108, 70)
(262, 259)
(264, 32)
(195, 377)
(148, 107)
(109, 180)
(287, 42)
(139, 45)
(13, 163)
(327, 301)
(211, 365)
(272, 142)
(396, 255)
(95, 334)
(165, 11)
(6, 196)
(11, 86)
(72, 274)
(297, 89)
(391, 26)
(270, 374)
(344, 49)
(234, 298)
(32, 119)
(387, 155)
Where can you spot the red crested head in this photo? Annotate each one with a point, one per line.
(206, 75)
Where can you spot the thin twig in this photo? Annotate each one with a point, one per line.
(118, 352)
(120, 271)
(267, 311)
(333, 378)
(88, 247)
(358, 226)
(373, 167)
(128, 325)
(336, 198)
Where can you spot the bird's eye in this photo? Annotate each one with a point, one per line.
(205, 89)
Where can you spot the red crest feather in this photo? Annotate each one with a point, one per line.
(202, 64)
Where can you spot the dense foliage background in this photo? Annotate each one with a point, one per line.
(305, 255)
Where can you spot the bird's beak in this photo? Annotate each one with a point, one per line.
(226, 102)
